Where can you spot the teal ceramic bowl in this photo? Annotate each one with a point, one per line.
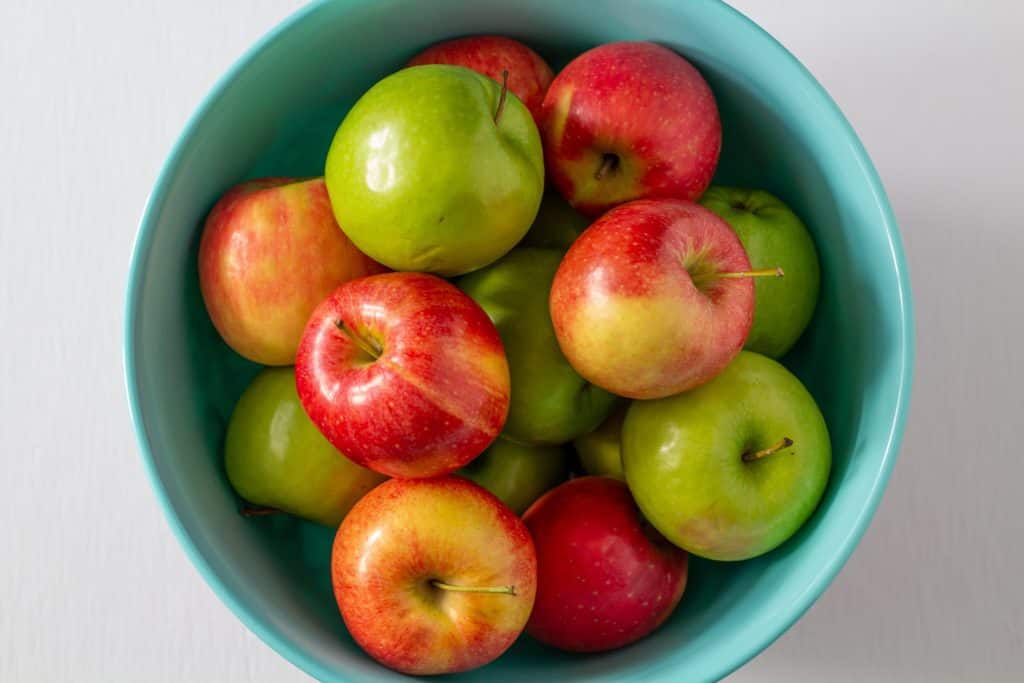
(275, 112)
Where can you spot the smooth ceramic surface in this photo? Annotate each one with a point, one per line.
(275, 113)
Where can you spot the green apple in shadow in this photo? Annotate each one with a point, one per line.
(516, 473)
(773, 236)
(436, 168)
(276, 457)
(600, 451)
(733, 468)
(557, 224)
(550, 402)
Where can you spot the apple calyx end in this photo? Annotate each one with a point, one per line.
(781, 444)
(503, 96)
(500, 590)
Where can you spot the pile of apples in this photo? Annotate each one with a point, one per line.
(454, 325)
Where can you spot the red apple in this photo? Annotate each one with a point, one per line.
(605, 577)
(270, 252)
(528, 74)
(433, 575)
(653, 299)
(629, 120)
(404, 374)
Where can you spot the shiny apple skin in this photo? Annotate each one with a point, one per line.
(436, 395)
(605, 578)
(406, 533)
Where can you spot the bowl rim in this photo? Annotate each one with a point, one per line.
(293, 651)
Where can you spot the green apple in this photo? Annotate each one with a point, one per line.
(518, 474)
(600, 451)
(436, 169)
(773, 236)
(733, 468)
(275, 456)
(550, 402)
(557, 224)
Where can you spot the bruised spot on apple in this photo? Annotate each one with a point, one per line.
(404, 374)
(629, 120)
(653, 299)
(433, 576)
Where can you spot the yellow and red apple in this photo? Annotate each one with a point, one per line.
(433, 576)
(270, 252)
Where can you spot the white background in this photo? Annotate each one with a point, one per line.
(93, 587)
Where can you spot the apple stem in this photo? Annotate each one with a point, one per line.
(767, 272)
(365, 346)
(256, 511)
(505, 590)
(784, 442)
(608, 164)
(504, 94)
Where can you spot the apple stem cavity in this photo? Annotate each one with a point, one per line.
(257, 511)
(609, 162)
(783, 443)
(504, 590)
(367, 347)
(503, 96)
(767, 272)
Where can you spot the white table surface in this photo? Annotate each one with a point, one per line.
(93, 586)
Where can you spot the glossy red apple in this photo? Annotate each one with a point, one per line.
(605, 577)
(528, 74)
(629, 120)
(433, 575)
(270, 252)
(404, 374)
(653, 299)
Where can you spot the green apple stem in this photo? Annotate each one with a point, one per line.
(767, 272)
(784, 442)
(366, 347)
(504, 94)
(505, 590)
(257, 511)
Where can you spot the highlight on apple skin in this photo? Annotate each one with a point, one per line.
(404, 374)
(653, 299)
(433, 576)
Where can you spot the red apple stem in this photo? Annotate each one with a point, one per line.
(257, 511)
(784, 442)
(366, 347)
(767, 272)
(503, 96)
(505, 590)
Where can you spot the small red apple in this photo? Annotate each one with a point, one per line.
(528, 74)
(433, 575)
(270, 252)
(629, 120)
(605, 577)
(653, 299)
(404, 374)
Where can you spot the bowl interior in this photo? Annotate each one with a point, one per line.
(275, 114)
